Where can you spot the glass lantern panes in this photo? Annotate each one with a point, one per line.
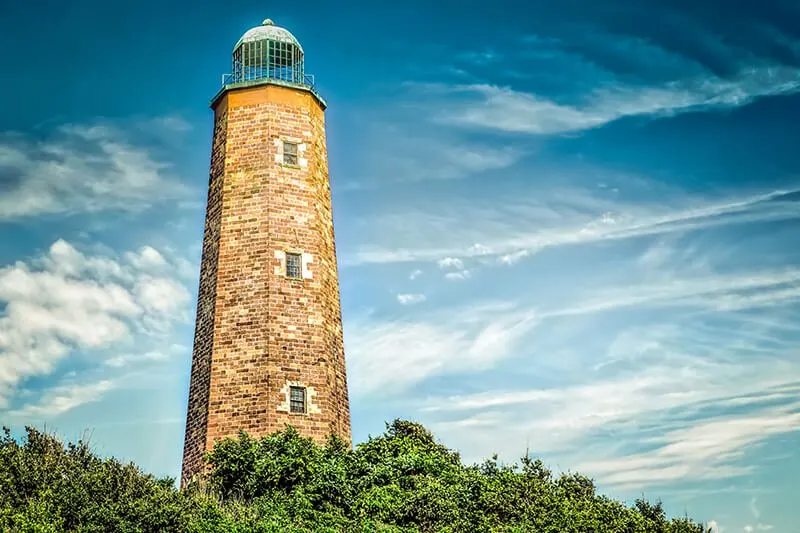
(268, 59)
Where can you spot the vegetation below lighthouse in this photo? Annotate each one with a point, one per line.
(401, 481)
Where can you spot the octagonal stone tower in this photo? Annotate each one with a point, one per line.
(268, 347)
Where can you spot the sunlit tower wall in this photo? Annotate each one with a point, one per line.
(268, 347)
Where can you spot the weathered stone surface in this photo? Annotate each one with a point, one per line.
(258, 332)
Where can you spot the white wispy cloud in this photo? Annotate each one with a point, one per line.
(458, 276)
(617, 399)
(63, 398)
(703, 450)
(758, 527)
(513, 231)
(67, 302)
(756, 512)
(172, 123)
(408, 299)
(510, 259)
(502, 108)
(147, 258)
(161, 354)
(450, 262)
(722, 292)
(457, 272)
(82, 169)
(394, 354)
(403, 152)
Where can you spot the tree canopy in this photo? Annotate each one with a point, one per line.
(401, 481)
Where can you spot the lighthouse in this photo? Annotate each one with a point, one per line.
(268, 345)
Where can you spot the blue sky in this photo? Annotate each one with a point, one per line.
(570, 228)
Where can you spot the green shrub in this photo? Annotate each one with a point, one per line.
(402, 481)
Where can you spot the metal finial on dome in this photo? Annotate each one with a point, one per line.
(267, 22)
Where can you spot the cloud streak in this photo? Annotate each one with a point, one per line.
(63, 398)
(490, 107)
(715, 292)
(393, 355)
(403, 153)
(410, 299)
(81, 169)
(517, 235)
(704, 450)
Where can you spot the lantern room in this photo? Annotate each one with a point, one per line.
(268, 52)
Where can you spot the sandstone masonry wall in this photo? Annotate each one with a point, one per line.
(199, 382)
(261, 332)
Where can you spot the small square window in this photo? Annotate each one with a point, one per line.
(294, 268)
(289, 153)
(297, 399)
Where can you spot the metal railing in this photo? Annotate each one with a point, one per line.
(264, 74)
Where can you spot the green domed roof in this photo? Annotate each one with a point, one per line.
(268, 31)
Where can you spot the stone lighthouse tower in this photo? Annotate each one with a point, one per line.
(268, 347)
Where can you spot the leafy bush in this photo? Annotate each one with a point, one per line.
(402, 481)
(45, 486)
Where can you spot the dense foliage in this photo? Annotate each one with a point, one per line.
(402, 481)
